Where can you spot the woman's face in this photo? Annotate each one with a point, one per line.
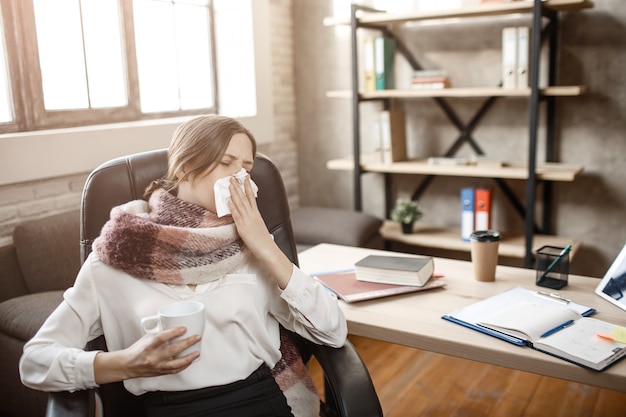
(200, 190)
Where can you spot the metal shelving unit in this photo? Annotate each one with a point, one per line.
(363, 17)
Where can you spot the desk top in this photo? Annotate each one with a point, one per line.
(415, 319)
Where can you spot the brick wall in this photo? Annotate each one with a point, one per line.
(284, 149)
(31, 200)
(24, 201)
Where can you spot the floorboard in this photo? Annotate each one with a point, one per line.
(412, 382)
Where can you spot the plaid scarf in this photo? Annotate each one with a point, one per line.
(170, 241)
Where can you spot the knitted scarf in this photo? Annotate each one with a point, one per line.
(170, 241)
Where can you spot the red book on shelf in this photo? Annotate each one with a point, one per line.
(482, 209)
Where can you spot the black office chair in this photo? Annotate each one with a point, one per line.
(349, 391)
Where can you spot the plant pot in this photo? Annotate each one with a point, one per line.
(407, 228)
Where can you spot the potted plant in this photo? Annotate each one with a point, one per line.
(406, 212)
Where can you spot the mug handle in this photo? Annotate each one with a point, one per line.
(151, 324)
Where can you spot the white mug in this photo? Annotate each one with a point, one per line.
(189, 314)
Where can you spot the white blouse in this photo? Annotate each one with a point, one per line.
(243, 311)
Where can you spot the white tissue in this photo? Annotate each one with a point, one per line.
(222, 194)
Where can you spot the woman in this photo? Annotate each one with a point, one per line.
(177, 248)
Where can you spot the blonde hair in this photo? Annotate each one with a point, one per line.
(196, 148)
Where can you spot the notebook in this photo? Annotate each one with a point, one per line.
(548, 323)
(349, 289)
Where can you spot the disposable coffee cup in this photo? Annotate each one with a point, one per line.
(189, 314)
(484, 250)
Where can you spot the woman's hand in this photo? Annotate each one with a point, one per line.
(152, 355)
(252, 229)
(248, 220)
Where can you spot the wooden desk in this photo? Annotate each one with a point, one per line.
(415, 319)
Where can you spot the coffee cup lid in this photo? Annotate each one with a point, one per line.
(485, 236)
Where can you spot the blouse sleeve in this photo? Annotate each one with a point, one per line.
(55, 359)
(313, 312)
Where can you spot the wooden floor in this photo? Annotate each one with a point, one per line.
(412, 382)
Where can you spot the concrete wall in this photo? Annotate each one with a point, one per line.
(23, 201)
(590, 129)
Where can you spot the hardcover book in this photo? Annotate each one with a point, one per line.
(398, 270)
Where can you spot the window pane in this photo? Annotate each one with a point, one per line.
(194, 57)
(103, 48)
(81, 63)
(156, 66)
(235, 57)
(59, 40)
(6, 107)
(173, 55)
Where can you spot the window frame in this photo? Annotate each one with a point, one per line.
(24, 69)
(49, 153)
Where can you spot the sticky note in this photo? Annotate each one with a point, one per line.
(619, 333)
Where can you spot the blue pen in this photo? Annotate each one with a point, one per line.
(556, 260)
(557, 328)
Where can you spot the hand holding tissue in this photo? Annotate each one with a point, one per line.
(222, 194)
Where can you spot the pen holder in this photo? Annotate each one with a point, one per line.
(552, 271)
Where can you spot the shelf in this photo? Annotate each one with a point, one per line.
(555, 91)
(510, 170)
(449, 238)
(544, 17)
(383, 19)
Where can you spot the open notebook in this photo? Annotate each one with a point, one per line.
(548, 323)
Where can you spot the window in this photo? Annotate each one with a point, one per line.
(88, 61)
(98, 133)
(82, 68)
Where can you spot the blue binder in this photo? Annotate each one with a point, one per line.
(467, 213)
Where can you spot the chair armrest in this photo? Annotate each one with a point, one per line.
(71, 404)
(348, 381)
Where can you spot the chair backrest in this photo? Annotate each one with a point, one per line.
(125, 179)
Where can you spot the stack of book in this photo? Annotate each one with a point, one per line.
(430, 79)
(378, 276)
